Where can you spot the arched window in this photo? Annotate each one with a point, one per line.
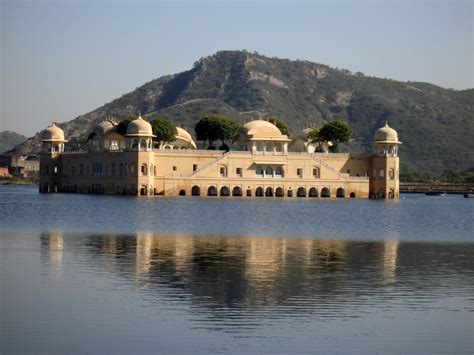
(182, 193)
(313, 192)
(144, 169)
(212, 191)
(279, 148)
(269, 147)
(196, 191)
(237, 191)
(269, 192)
(175, 147)
(269, 171)
(325, 192)
(279, 192)
(259, 171)
(143, 144)
(391, 174)
(341, 192)
(301, 192)
(135, 144)
(167, 147)
(259, 192)
(352, 195)
(260, 147)
(224, 191)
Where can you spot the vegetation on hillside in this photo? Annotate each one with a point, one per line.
(9, 140)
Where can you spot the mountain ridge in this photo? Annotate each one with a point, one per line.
(246, 85)
(10, 139)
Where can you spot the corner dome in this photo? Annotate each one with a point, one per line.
(386, 134)
(139, 128)
(183, 135)
(53, 133)
(259, 129)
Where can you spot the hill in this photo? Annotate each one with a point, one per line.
(433, 122)
(9, 140)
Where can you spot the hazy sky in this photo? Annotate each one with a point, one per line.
(60, 59)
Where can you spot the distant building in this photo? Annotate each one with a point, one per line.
(267, 163)
(20, 165)
(4, 173)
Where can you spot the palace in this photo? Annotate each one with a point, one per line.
(266, 163)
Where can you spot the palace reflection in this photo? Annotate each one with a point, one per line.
(254, 273)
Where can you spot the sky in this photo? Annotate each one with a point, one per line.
(61, 59)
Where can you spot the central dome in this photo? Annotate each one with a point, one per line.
(261, 129)
(140, 128)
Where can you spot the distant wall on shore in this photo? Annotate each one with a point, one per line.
(449, 187)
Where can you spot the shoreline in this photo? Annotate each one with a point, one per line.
(18, 182)
(447, 187)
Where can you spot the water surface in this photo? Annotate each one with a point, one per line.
(98, 274)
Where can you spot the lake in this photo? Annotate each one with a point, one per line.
(113, 274)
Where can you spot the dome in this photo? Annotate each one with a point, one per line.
(53, 133)
(183, 135)
(303, 134)
(140, 128)
(259, 129)
(104, 127)
(386, 134)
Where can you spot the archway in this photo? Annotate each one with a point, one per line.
(182, 193)
(196, 191)
(341, 193)
(325, 192)
(313, 192)
(352, 195)
(269, 192)
(236, 191)
(224, 191)
(279, 192)
(301, 192)
(259, 192)
(212, 191)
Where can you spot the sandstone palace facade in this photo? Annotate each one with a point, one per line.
(266, 163)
